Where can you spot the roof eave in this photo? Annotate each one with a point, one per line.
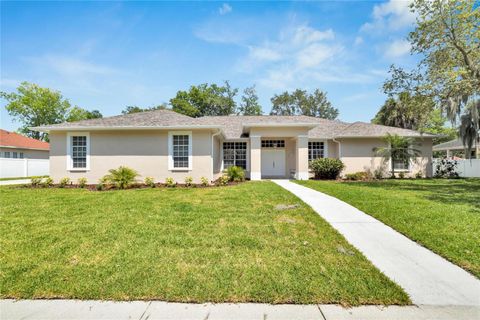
(103, 128)
(26, 148)
(383, 136)
(309, 126)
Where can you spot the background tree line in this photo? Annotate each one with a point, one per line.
(33, 105)
(445, 85)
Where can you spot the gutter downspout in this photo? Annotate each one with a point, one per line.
(339, 148)
(213, 135)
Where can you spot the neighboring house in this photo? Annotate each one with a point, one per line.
(456, 148)
(164, 144)
(16, 146)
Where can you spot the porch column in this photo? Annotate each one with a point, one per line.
(448, 153)
(301, 152)
(255, 158)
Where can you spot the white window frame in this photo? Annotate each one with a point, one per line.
(325, 146)
(409, 169)
(170, 150)
(69, 150)
(248, 152)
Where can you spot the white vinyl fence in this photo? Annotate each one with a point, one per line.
(465, 168)
(11, 168)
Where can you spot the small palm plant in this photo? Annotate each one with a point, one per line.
(398, 149)
(122, 177)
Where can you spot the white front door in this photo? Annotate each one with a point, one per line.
(273, 162)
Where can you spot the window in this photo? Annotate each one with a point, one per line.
(7, 154)
(315, 150)
(78, 151)
(180, 150)
(15, 155)
(235, 154)
(273, 143)
(21, 155)
(401, 165)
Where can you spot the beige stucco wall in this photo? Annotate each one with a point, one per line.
(332, 149)
(358, 155)
(144, 151)
(27, 153)
(291, 161)
(217, 159)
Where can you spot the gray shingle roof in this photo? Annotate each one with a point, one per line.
(452, 144)
(156, 118)
(232, 126)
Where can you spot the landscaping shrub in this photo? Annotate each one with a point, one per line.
(327, 168)
(188, 181)
(379, 173)
(63, 182)
(235, 174)
(82, 182)
(149, 181)
(48, 182)
(419, 175)
(170, 182)
(35, 181)
(223, 180)
(122, 177)
(401, 175)
(361, 175)
(204, 181)
(446, 168)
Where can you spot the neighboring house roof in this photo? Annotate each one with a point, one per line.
(455, 144)
(15, 140)
(233, 126)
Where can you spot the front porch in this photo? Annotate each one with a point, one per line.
(278, 151)
(278, 157)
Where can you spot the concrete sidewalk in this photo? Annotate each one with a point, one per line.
(428, 278)
(151, 310)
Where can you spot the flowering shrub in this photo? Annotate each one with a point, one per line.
(446, 168)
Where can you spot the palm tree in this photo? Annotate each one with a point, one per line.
(398, 149)
(469, 129)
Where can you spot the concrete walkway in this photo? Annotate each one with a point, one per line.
(428, 278)
(151, 310)
(11, 182)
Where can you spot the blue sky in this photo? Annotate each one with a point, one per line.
(107, 55)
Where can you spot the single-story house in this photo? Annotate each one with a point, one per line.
(163, 144)
(16, 146)
(456, 148)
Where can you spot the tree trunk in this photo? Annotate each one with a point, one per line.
(392, 167)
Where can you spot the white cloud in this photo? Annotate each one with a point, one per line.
(69, 66)
(315, 54)
(301, 46)
(264, 54)
(225, 8)
(390, 16)
(305, 35)
(397, 49)
(299, 57)
(358, 41)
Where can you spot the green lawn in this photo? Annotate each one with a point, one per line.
(197, 245)
(442, 215)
